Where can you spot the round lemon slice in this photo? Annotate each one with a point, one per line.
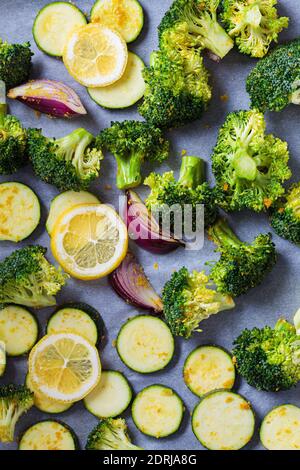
(89, 241)
(64, 367)
(95, 55)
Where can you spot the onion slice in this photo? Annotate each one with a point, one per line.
(130, 282)
(143, 228)
(49, 97)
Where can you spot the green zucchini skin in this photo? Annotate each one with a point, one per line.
(88, 310)
(66, 426)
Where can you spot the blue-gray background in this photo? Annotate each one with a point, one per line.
(279, 295)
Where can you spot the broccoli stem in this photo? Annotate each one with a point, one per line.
(214, 36)
(295, 96)
(222, 235)
(3, 105)
(244, 165)
(129, 171)
(293, 200)
(192, 172)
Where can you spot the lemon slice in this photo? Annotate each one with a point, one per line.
(95, 55)
(89, 241)
(64, 367)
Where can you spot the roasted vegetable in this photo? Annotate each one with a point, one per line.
(110, 434)
(285, 216)
(15, 63)
(14, 401)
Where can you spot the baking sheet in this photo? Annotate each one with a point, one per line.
(279, 294)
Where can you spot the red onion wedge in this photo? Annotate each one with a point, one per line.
(130, 282)
(143, 228)
(49, 97)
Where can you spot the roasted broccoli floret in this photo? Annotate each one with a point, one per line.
(275, 80)
(27, 278)
(241, 265)
(12, 139)
(69, 163)
(268, 358)
(189, 298)
(14, 401)
(177, 89)
(131, 143)
(193, 24)
(172, 197)
(285, 216)
(110, 434)
(15, 63)
(249, 166)
(253, 24)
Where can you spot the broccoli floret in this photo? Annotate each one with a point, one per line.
(249, 166)
(241, 265)
(285, 216)
(193, 24)
(254, 24)
(15, 63)
(14, 401)
(177, 89)
(268, 358)
(131, 143)
(189, 298)
(27, 278)
(12, 142)
(110, 434)
(69, 163)
(275, 80)
(190, 189)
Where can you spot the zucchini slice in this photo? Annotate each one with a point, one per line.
(208, 368)
(44, 404)
(53, 25)
(126, 16)
(110, 397)
(145, 344)
(19, 329)
(78, 318)
(157, 411)
(20, 211)
(65, 201)
(2, 358)
(126, 91)
(280, 429)
(223, 420)
(49, 435)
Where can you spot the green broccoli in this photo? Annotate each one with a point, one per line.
(69, 163)
(27, 278)
(190, 189)
(15, 63)
(254, 24)
(241, 265)
(177, 89)
(268, 358)
(285, 216)
(189, 298)
(14, 401)
(274, 82)
(248, 165)
(193, 24)
(110, 434)
(132, 142)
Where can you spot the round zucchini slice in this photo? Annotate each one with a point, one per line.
(78, 318)
(110, 397)
(280, 429)
(126, 16)
(157, 411)
(65, 201)
(49, 435)
(223, 420)
(145, 344)
(19, 330)
(2, 358)
(20, 211)
(208, 368)
(53, 25)
(44, 404)
(126, 91)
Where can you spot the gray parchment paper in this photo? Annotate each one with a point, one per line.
(278, 295)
